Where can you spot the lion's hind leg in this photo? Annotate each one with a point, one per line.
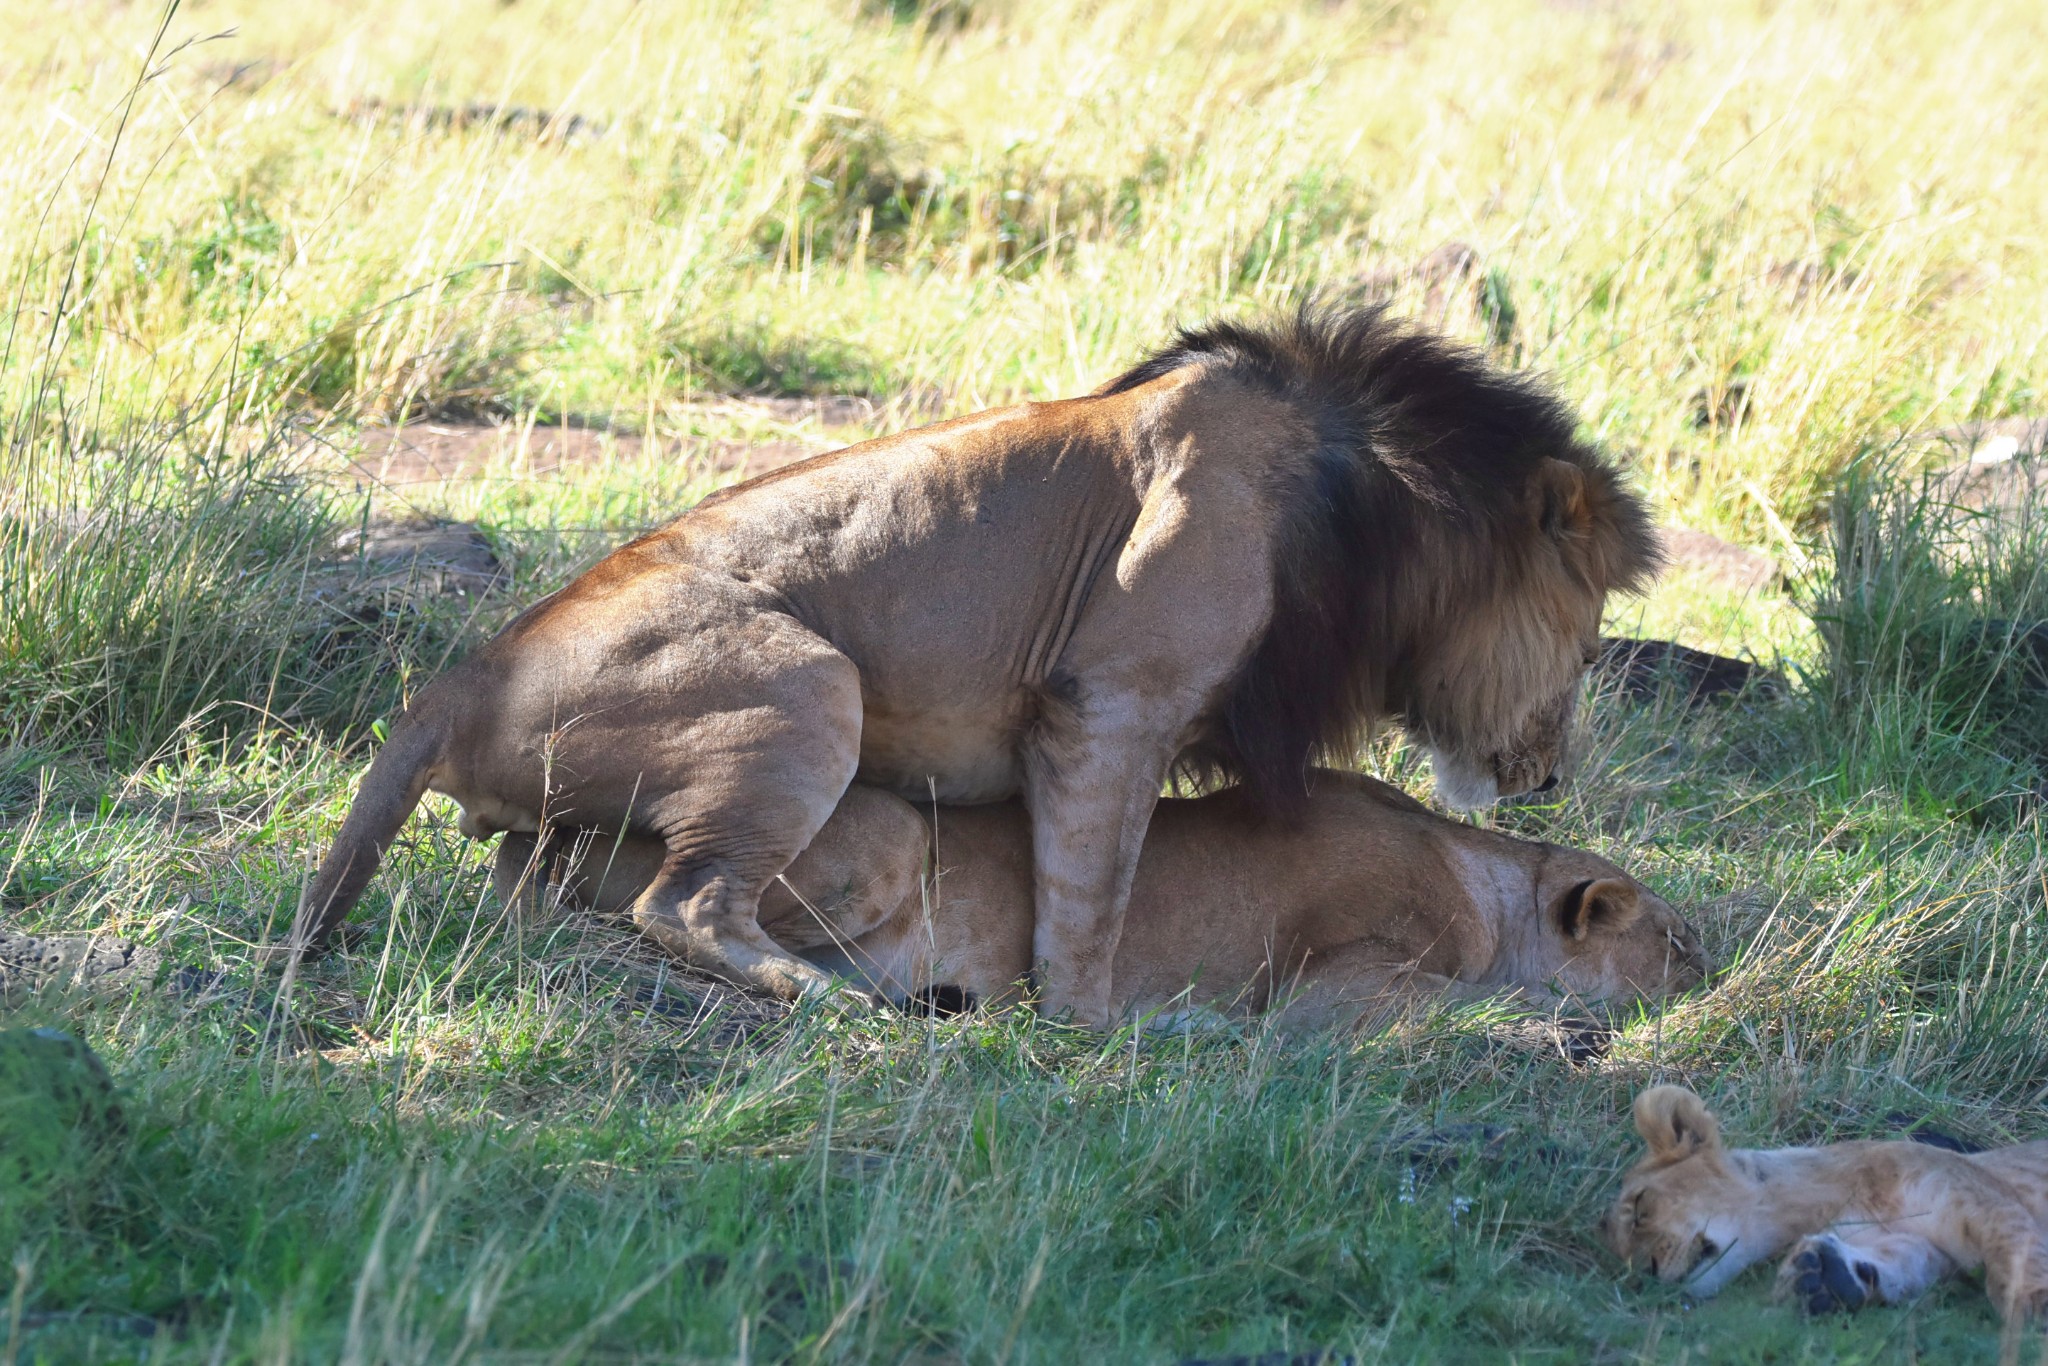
(1853, 1265)
(735, 791)
(1358, 985)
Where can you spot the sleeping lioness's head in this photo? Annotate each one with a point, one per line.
(1599, 935)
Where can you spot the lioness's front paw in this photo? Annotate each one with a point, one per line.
(1827, 1278)
(1188, 1020)
(840, 996)
(2027, 1303)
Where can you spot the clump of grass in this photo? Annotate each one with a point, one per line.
(1932, 616)
(146, 586)
(156, 591)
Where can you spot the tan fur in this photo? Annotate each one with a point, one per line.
(1051, 601)
(1901, 1215)
(1370, 902)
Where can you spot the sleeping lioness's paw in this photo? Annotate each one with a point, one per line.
(2028, 1304)
(1827, 1278)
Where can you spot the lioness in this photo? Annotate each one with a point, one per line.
(1865, 1223)
(1252, 546)
(1371, 900)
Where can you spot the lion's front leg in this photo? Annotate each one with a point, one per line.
(1092, 775)
(1857, 1263)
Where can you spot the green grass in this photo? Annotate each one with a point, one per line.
(470, 1137)
(491, 1146)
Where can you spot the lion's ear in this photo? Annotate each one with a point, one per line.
(1675, 1122)
(1559, 491)
(1599, 904)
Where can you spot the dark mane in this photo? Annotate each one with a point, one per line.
(1421, 445)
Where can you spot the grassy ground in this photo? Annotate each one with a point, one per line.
(1814, 225)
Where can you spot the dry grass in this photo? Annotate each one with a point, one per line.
(1791, 220)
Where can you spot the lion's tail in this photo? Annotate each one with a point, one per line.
(397, 779)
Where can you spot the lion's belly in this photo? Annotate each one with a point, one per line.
(964, 756)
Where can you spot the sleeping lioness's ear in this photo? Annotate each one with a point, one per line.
(1605, 904)
(1558, 489)
(1675, 1122)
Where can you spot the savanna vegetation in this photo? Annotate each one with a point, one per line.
(1764, 248)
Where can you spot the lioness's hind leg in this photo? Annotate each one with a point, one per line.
(859, 874)
(1356, 985)
(519, 871)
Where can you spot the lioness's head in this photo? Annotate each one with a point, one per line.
(1687, 1211)
(1602, 936)
(1496, 689)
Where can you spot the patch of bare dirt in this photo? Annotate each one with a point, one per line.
(433, 451)
(416, 453)
(543, 125)
(1994, 440)
(1736, 566)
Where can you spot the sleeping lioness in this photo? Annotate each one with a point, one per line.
(1856, 1223)
(1371, 901)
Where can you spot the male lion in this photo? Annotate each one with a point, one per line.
(1368, 902)
(1249, 548)
(1865, 1223)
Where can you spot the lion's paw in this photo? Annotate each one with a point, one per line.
(1828, 1278)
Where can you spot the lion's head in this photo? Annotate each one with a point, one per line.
(1443, 549)
(1494, 694)
(1602, 936)
(1686, 1210)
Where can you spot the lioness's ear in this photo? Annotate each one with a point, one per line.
(1675, 1122)
(1558, 489)
(1605, 904)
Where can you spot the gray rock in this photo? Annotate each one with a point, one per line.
(430, 556)
(2011, 485)
(1642, 669)
(90, 962)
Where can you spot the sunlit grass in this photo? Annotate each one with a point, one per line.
(1790, 222)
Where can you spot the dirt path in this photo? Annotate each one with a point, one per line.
(399, 456)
